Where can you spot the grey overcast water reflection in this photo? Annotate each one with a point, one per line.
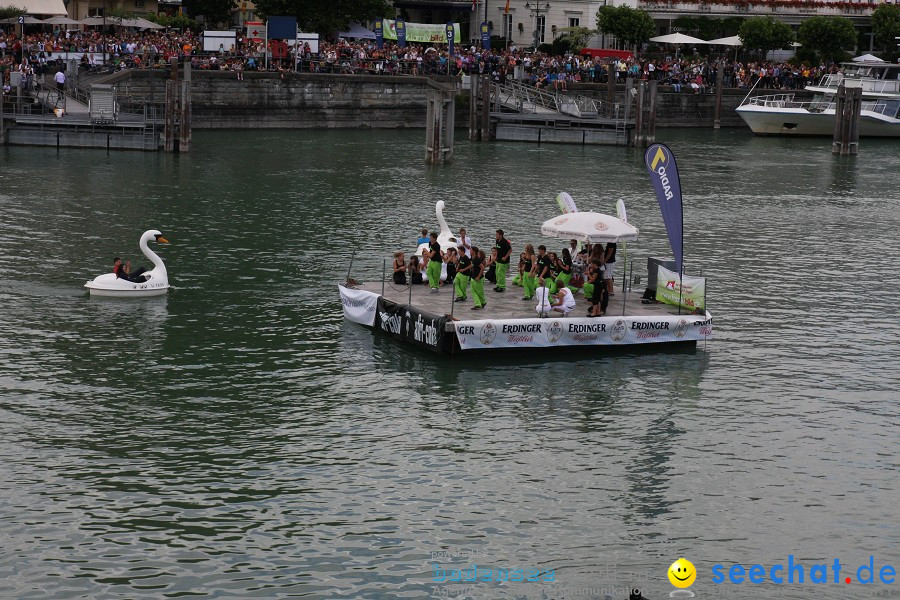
(238, 439)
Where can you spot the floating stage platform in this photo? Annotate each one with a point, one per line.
(561, 129)
(509, 324)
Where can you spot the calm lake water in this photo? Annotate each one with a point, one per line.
(238, 439)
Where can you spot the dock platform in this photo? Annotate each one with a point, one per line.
(434, 321)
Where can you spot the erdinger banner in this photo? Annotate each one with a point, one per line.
(603, 331)
(670, 288)
(664, 174)
(359, 305)
(410, 325)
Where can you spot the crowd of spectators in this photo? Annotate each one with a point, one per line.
(31, 54)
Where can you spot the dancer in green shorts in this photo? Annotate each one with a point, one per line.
(504, 250)
(433, 270)
(478, 278)
(528, 266)
(463, 272)
(564, 265)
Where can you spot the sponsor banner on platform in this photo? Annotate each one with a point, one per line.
(359, 305)
(603, 331)
(410, 325)
(670, 288)
(664, 174)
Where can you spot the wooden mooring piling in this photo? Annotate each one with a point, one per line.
(847, 110)
(177, 110)
(439, 123)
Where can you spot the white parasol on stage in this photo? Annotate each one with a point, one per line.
(590, 227)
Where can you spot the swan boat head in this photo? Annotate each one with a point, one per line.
(446, 238)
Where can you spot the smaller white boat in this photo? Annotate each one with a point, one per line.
(155, 281)
(782, 114)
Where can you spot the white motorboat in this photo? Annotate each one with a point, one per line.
(782, 114)
(155, 281)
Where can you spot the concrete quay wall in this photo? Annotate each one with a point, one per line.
(263, 100)
(322, 101)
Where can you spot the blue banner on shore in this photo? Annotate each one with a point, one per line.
(450, 37)
(379, 33)
(485, 35)
(281, 28)
(400, 29)
(664, 174)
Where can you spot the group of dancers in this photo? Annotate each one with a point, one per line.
(550, 278)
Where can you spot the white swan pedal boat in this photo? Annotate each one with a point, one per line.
(156, 280)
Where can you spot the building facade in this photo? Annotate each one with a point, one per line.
(523, 22)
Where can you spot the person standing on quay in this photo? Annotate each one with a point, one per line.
(504, 249)
(478, 278)
(435, 260)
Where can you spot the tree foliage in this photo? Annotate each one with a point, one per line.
(575, 38)
(214, 12)
(327, 16)
(708, 28)
(631, 26)
(765, 33)
(177, 21)
(886, 26)
(8, 12)
(829, 37)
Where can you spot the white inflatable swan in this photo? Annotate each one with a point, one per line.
(446, 238)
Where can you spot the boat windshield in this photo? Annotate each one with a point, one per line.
(891, 108)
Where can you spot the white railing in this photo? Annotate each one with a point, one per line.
(526, 99)
(869, 85)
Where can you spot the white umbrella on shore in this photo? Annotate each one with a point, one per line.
(28, 20)
(867, 58)
(733, 40)
(61, 21)
(677, 38)
(590, 227)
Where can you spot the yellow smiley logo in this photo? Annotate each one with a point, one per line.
(682, 573)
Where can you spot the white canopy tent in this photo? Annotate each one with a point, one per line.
(589, 227)
(358, 31)
(142, 23)
(867, 58)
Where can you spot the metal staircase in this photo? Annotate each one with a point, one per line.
(521, 98)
